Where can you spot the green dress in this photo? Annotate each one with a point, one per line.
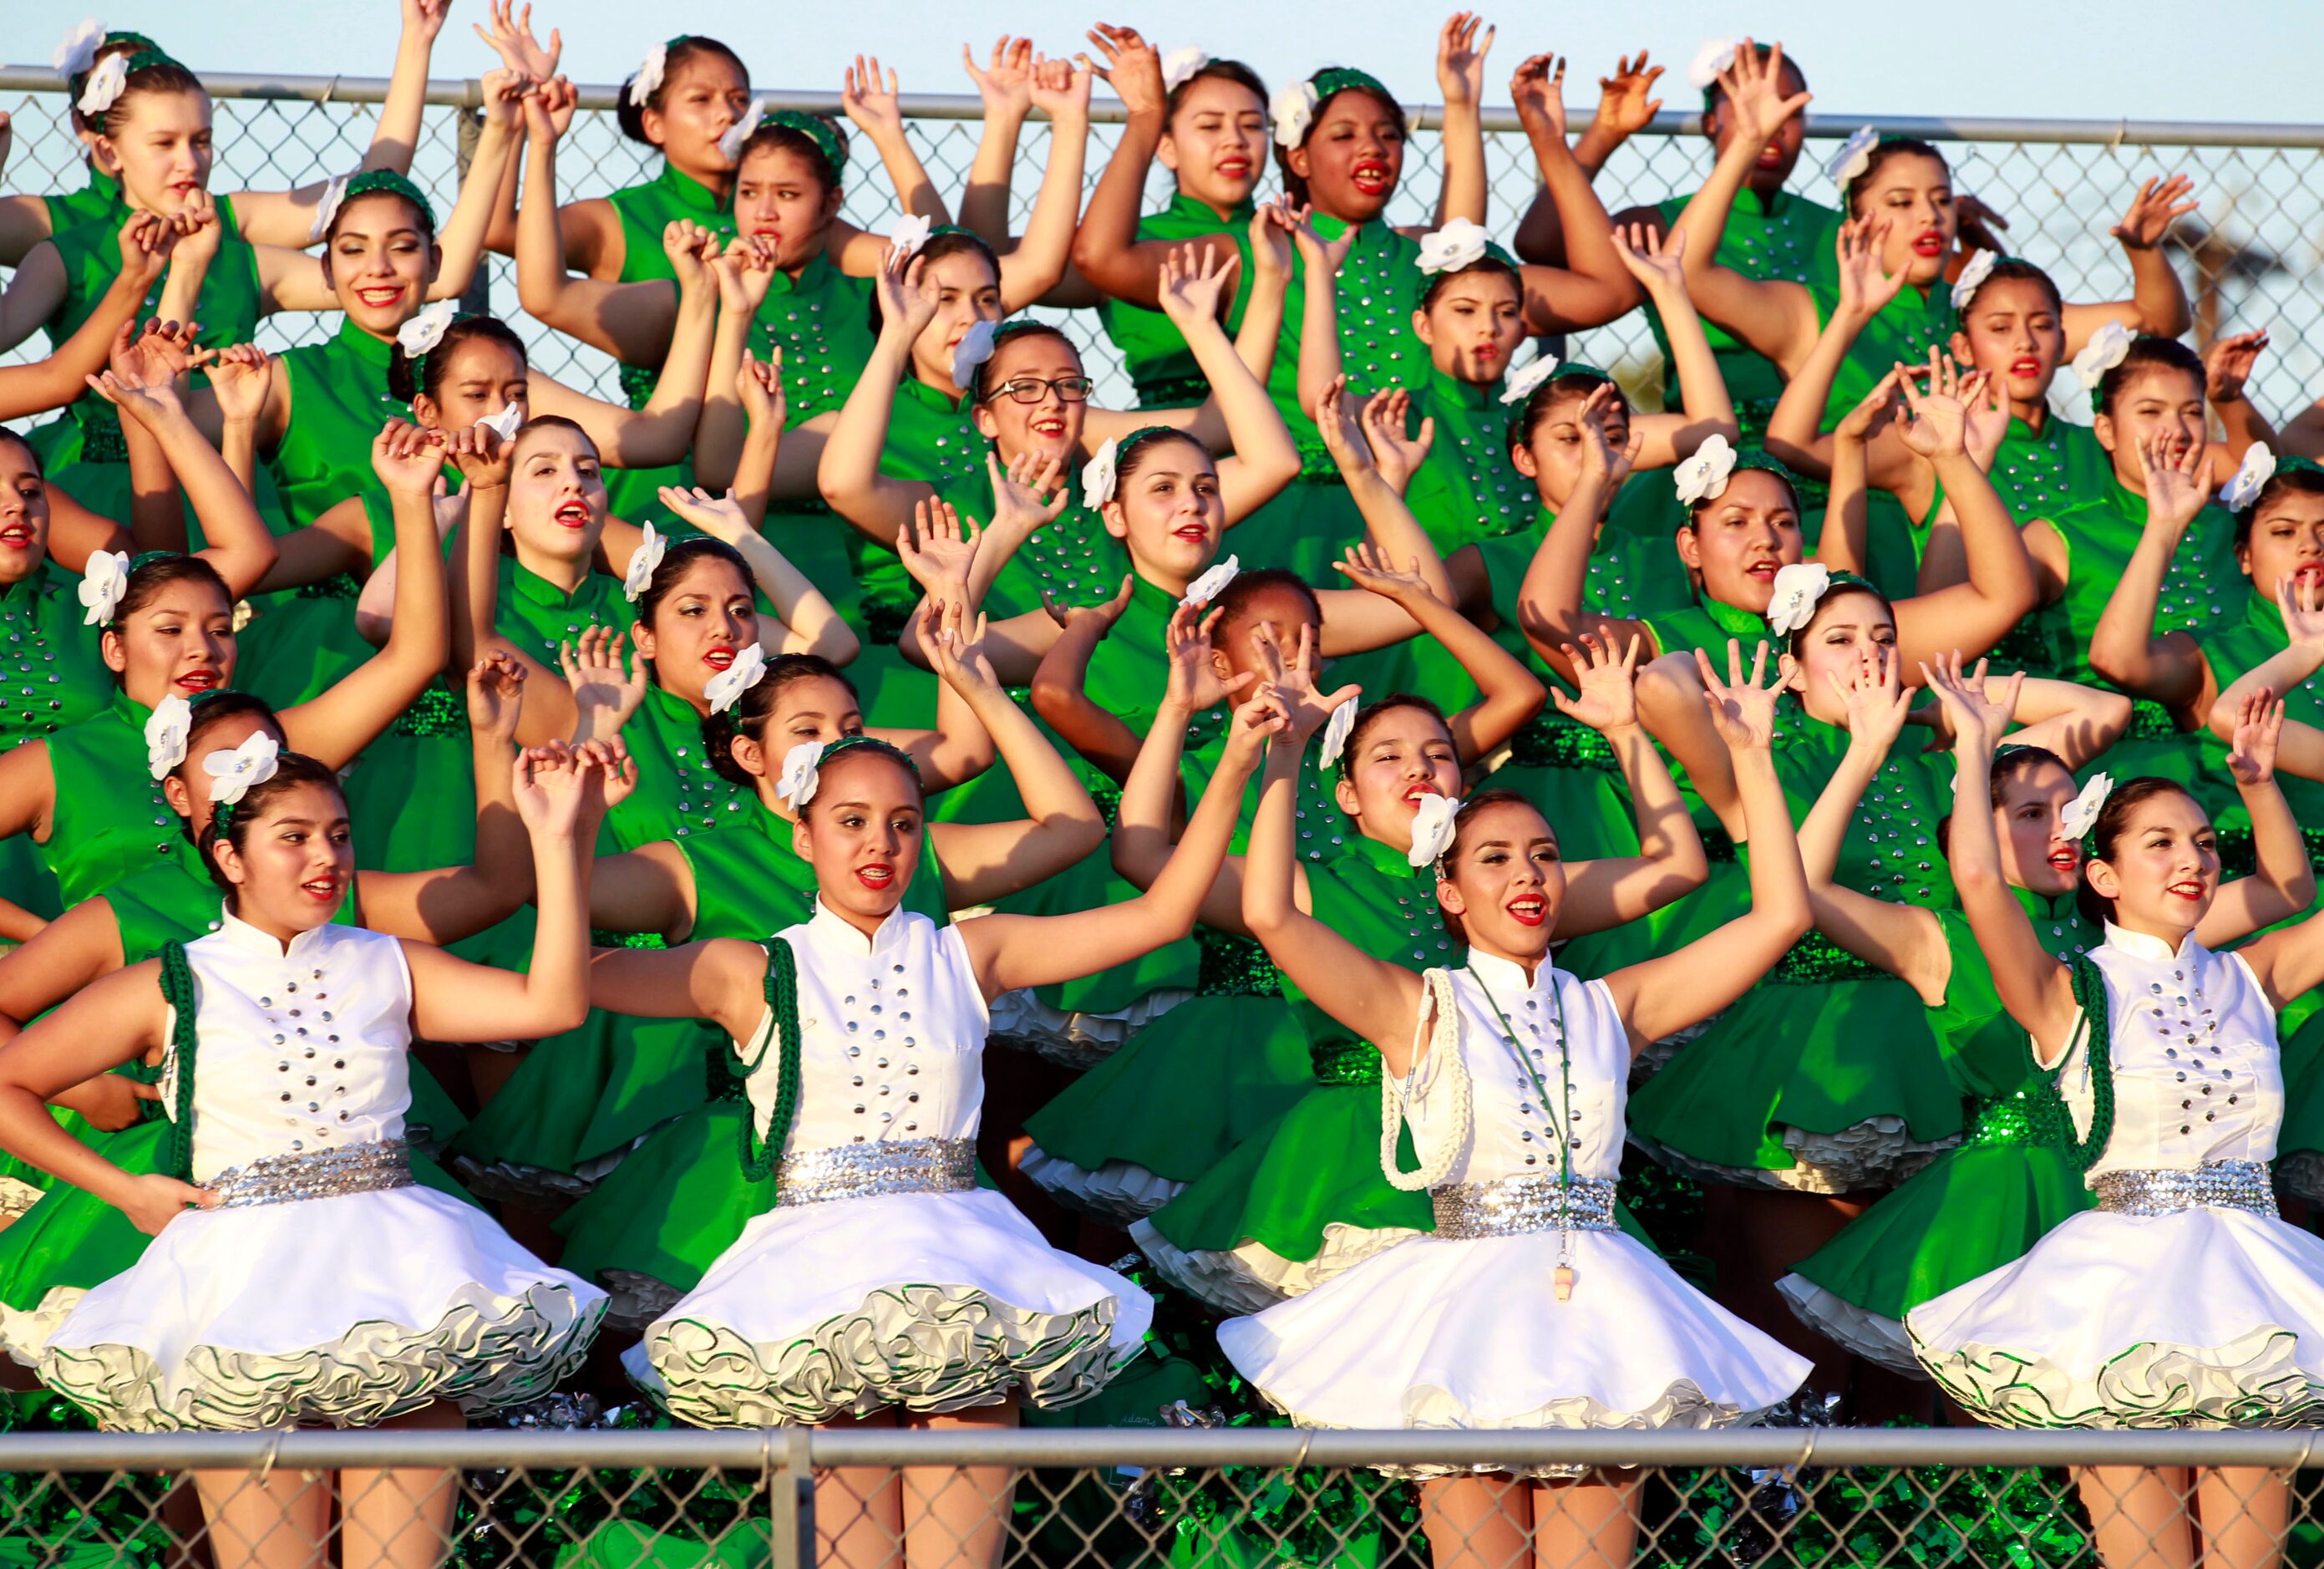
(2041, 474)
(58, 680)
(101, 198)
(1467, 490)
(1153, 351)
(110, 819)
(1825, 1077)
(644, 211)
(1074, 560)
(650, 1229)
(1979, 1205)
(1773, 238)
(821, 321)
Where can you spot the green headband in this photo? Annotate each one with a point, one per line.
(145, 558)
(372, 181)
(847, 743)
(1340, 79)
(1767, 462)
(1568, 370)
(1129, 444)
(144, 58)
(816, 130)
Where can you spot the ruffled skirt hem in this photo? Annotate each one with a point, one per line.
(1253, 1277)
(1683, 1405)
(2254, 1381)
(1865, 1333)
(1074, 1040)
(1877, 1152)
(1118, 1192)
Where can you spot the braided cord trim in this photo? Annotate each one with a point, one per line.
(178, 990)
(759, 1155)
(2098, 1051)
(1439, 1025)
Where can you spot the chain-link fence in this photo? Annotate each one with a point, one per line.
(2249, 257)
(962, 1498)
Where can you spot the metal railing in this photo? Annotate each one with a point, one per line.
(2249, 257)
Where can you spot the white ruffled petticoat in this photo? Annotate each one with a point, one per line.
(348, 1310)
(1254, 1277)
(2209, 1317)
(1877, 1152)
(932, 1301)
(1118, 1192)
(1078, 1040)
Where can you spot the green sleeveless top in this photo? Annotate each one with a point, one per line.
(644, 211)
(1776, 237)
(2202, 591)
(2042, 474)
(748, 881)
(338, 402)
(1904, 330)
(50, 673)
(536, 615)
(1630, 575)
(679, 793)
(2235, 646)
(821, 322)
(1160, 364)
(1708, 624)
(1381, 285)
(932, 439)
(1466, 489)
(1890, 850)
(1075, 559)
(101, 198)
(111, 819)
(1370, 894)
(1984, 1049)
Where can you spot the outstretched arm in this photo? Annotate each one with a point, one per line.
(2284, 883)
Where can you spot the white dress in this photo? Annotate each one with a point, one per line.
(882, 1276)
(1463, 1328)
(2182, 1301)
(324, 1291)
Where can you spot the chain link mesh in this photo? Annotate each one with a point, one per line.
(2249, 257)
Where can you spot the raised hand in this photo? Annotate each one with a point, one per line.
(603, 695)
(2176, 487)
(1754, 86)
(1344, 438)
(1259, 716)
(1367, 567)
(875, 110)
(907, 295)
(2300, 598)
(424, 19)
(1866, 284)
(495, 696)
(1061, 88)
(1988, 417)
(408, 459)
(1193, 284)
(1397, 456)
(1108, 614)
(1874, 412)
(240, 378)
(511, 38)
(2157, 206)
(613, 774)
(1978, 225)
(483, 458)
(1316, 250)
(1274, 225)
(718, 516)
(1538, 88)
(1654, 258)
(1606, 683)
(547, 781)
(690, 249)
(1193, 683)
(1624, 107)
(745, 271)
(1601, 461)
(2228, 364)
(1027, 496)
(1876, 705)
(1460, 59)
(508, 98)
(955, 647)
(938, 550)
(1743, 710)
(1938, 425)
(1132, 68)
(1977, 718)
(758, 382)
(154, 355)
(145, 241)
(1292, 680)
(200, 233)
(2258, 729)
(1006, 84)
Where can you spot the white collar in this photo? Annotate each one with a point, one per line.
(240, 934)
(2139, 946)
(827, 928)
(1503, 977)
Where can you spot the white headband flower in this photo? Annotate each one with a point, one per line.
(1335, 734)
(1703, 476)
(1293, 110)
(1979, 268)
(165, 734)
(648, 81)
(730, 143)
(796, 786)
(976, 348)
(328, 208)
(105, 84)
(1713, 56)
(726, 689)
(232, 773)
(1432, 829)
(2082, 813)
(1523, 380)
(78, 49)
(910, 233)
(505, 424)
(1792, 605)
(1211, 584)
(426, 330)
(2252, 475)
(1854, 157)
(2108, 347)
(1179, 66)
(1098, 474)
(1460, 242)
(103, 582)
(643, 561)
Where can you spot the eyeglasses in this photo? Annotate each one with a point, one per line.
(1029, 389)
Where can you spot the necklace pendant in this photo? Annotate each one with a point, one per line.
(1562, 1282)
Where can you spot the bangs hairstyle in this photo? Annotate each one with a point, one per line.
(407, 378)
(2287, 482)
(981, 383)
(32, 454)
(1462, 821)
(2145, 355)
(1296, 185)
(149, 577)
(1219, 70)
(2013, 763)
(949, 241)
(1891, 147)
(1485, 264)
(1569, 385)
(683, 51)
(292, 769)
(1234, 601)
(680, 558)
(2105, 834)
(158, 74)
(1372, 713)
(2015, 269)
(773, 136)
(750, 713)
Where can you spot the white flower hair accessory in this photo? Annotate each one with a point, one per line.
(1179, 66)
(1336, 730)
(976, 348)
(1711, 57)
(1432, 829)
(1703, 476)
(730, 141)
(1792, 605)
(1965, 287)
(165, 734)
(643, 562)
(2082, 813)
(1211, 584)
(1522, 381)
(78, 50)
(1854, 157)
(1292, 110)
(426, 330)
(103, 582)
(2108, 347)
(726, 689)
(910, 233)
(328, 208)
(2251, 477)
(647, 81)
(1098, 475)
(796, 786)
(232, 773)
(1460, 242)
(105, 84)
(505, 424)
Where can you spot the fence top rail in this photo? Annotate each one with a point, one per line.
(469, 93)
(764, 1449)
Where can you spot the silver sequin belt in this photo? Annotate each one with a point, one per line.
(1511, 1206)
(876, 1166)
(2217, 1184)
(371, 1168)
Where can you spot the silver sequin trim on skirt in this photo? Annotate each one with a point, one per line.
(1511, 1207)
(2241, 1184)
(320, 1174)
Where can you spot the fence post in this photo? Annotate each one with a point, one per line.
(790, 1504)
(477, 300)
